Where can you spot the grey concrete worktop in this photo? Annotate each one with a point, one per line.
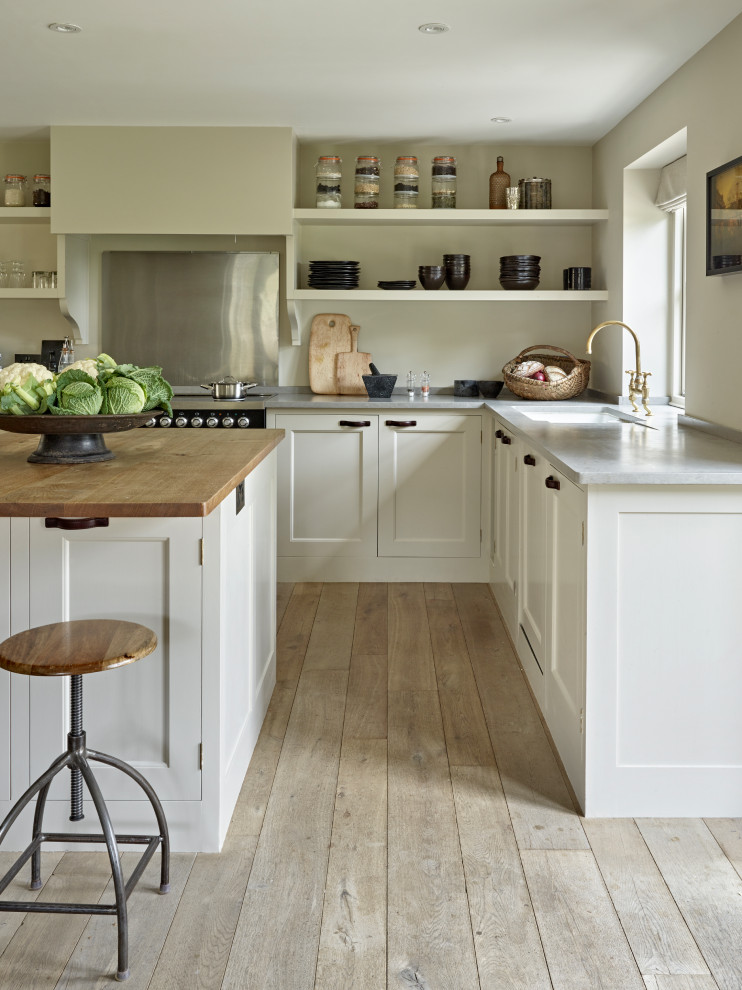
(675, 450)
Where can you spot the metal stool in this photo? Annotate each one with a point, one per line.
(76, 648)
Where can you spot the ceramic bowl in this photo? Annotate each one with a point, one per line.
(490, 389)
(466, 388)
(431, 280)
(457, 281)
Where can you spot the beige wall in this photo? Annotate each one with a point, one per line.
(700, 96)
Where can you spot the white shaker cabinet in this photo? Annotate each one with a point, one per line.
(429, 485)
(566, 614)
(539, 581)
(369, 496)
(328, 482)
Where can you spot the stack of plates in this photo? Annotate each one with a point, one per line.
(520, 271)
(334, 274)
(404, 283)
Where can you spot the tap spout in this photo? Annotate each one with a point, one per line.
(617, 323)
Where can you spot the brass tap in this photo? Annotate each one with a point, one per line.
(637, 377)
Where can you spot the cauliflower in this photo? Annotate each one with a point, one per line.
(18, 374)
(88, 365)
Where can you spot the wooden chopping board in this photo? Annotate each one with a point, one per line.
(329, 334)
(351, 366)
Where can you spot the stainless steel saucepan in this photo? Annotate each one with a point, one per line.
(229, 388)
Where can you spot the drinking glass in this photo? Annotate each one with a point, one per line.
(17, 275)
(512, 194)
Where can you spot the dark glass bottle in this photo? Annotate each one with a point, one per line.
(499, 182)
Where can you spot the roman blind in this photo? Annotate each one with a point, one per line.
(673, 187)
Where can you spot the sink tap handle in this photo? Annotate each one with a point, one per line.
(633, 389)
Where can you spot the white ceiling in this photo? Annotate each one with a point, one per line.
(565, 71)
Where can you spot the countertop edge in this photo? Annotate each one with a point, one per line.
(141, 508)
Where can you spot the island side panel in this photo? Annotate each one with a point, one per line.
(664, 680)
(239, 637)
(4, 675)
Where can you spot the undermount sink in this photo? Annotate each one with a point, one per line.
(579, 416)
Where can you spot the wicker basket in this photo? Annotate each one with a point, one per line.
(578, 374)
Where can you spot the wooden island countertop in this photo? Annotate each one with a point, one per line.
(154, 473)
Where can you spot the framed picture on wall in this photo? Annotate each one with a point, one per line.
(724, 219)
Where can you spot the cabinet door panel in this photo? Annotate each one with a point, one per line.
(430, 487)
(327, 489)
(4, 675)
(533, 576)
(505, 525)
(565, 681)
(144, 571)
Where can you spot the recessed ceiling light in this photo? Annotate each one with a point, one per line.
(501, 120)
(64, 28)
(435, 27)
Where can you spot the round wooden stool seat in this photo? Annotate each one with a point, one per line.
(82, 646)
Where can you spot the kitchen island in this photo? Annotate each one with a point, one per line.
(181, 538)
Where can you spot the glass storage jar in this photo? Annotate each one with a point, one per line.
(367, 180)
(41, 194)
(328, 174)
(406, 182)
(14, 190)
(535, 194)
(443, 183)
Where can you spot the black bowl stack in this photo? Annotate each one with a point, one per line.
(334, 274)
(458, 270)
(520, 271)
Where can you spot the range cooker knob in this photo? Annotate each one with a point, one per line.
(181, 420)
(228, 421)
(164, 421)
(243, 422)
(151, 422)
(212, 421)
(196, 421)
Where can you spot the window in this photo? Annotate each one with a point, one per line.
(671, 197)
(677, 305)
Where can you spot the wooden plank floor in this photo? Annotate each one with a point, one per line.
(404, 825)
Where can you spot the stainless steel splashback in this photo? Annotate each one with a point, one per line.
(202, 315)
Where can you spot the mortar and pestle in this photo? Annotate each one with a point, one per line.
(379, 386)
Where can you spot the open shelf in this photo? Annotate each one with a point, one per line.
(454, 218)
(25, 214)
(360, 219)
(31, 293)
(446, 295)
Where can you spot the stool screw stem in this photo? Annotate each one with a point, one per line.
(76, 731)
